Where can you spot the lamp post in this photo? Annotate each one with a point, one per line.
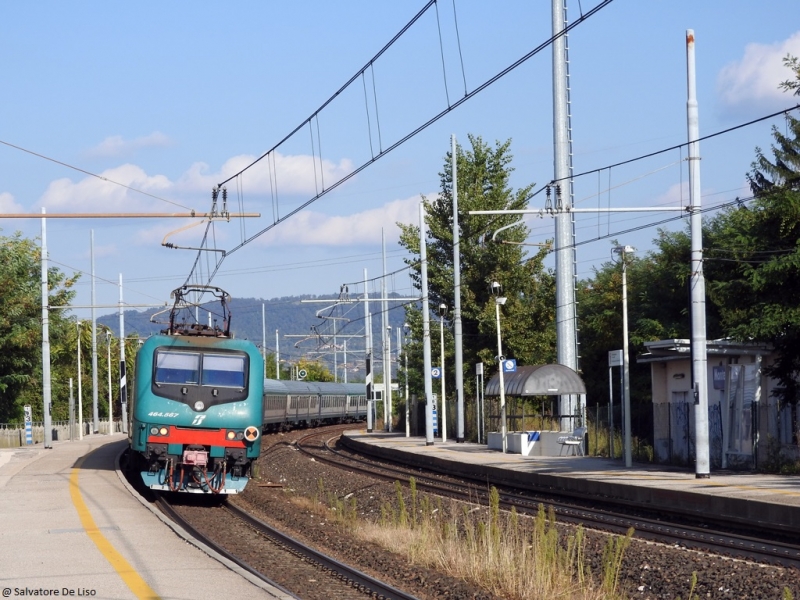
(387, 383)
(442, 313)
(80, 389)
(110, 408)
(406, 329)
(499, 300)
(626, 380)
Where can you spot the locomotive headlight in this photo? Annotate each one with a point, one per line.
(240, 435)
(231, 435)
(199, 405)
(154, 430)
(163, 431)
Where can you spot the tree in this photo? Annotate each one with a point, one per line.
(761, 243)
(528, 318)
(315, 370)
(21, 328)
(658, 308)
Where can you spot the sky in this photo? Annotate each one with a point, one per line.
(146, 106)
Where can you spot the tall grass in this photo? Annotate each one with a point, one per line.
(510, 556)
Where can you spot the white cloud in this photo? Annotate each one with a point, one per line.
(313, 228)
(752, 82)
(116, 146)
(104, 194)
(9, 205)
(114, 189)
(113, 192)
(293, 174)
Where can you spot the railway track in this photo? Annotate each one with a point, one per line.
(660, 530)
(277, 559)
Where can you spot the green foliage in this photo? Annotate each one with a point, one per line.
(658, 308)
(752, 272)
(21, 329)
(402, 512)
(759, 245)
(528, 317)
(315, 370)
(613, 554)
(792, 63)
(412, 483)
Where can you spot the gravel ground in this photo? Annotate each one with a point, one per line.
(649, 571)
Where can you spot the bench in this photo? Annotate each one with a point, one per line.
(573, 441)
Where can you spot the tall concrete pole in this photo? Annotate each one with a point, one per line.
(459, 358)
(277, 356)
(47, 394)
(566, 333)
(123, 379)
(387, 358)
(368, 356)
(95, 413)
(426, 329)
(698, 283)
(264, 337)
(626, 370)
(443, 412)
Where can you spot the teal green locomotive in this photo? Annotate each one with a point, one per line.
(197, 410)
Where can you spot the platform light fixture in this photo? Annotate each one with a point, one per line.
(499, 300)
(623, 251)
(442, 314)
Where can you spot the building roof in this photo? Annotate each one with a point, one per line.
(678, 349)
(537, 380)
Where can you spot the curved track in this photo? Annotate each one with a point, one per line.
(672, 532)
(274, 557)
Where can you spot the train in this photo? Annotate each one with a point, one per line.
(289, 404)
(200, 404)
(196, 404)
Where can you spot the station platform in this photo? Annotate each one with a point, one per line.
(70, 525)
(750, 499)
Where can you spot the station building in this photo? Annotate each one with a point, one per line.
(747, 425)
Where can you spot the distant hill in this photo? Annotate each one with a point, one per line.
(290, 317)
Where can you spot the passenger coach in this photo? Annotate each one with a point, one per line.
(310, 403)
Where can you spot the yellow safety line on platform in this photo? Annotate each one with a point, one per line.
(128, 574)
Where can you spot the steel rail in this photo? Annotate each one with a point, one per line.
(354, 577)
(651, 529)
(358, 580)
(165, 507)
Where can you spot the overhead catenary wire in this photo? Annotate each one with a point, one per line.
(95, 175)
(602, 4)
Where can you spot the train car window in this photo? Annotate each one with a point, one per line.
(224, 370)
(177, 367)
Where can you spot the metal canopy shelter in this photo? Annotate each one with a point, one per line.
(538, 380)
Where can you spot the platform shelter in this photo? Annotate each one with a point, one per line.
(543, 380)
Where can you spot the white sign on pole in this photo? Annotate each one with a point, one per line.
(615, 358)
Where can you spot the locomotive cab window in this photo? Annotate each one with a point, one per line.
(200, 378)
(224, 370)
(177, 367)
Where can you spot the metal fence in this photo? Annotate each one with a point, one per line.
(605, 431)
(12, 435)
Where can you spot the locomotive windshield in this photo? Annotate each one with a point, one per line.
(190, 376)
(223, 370)
(177, 367)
